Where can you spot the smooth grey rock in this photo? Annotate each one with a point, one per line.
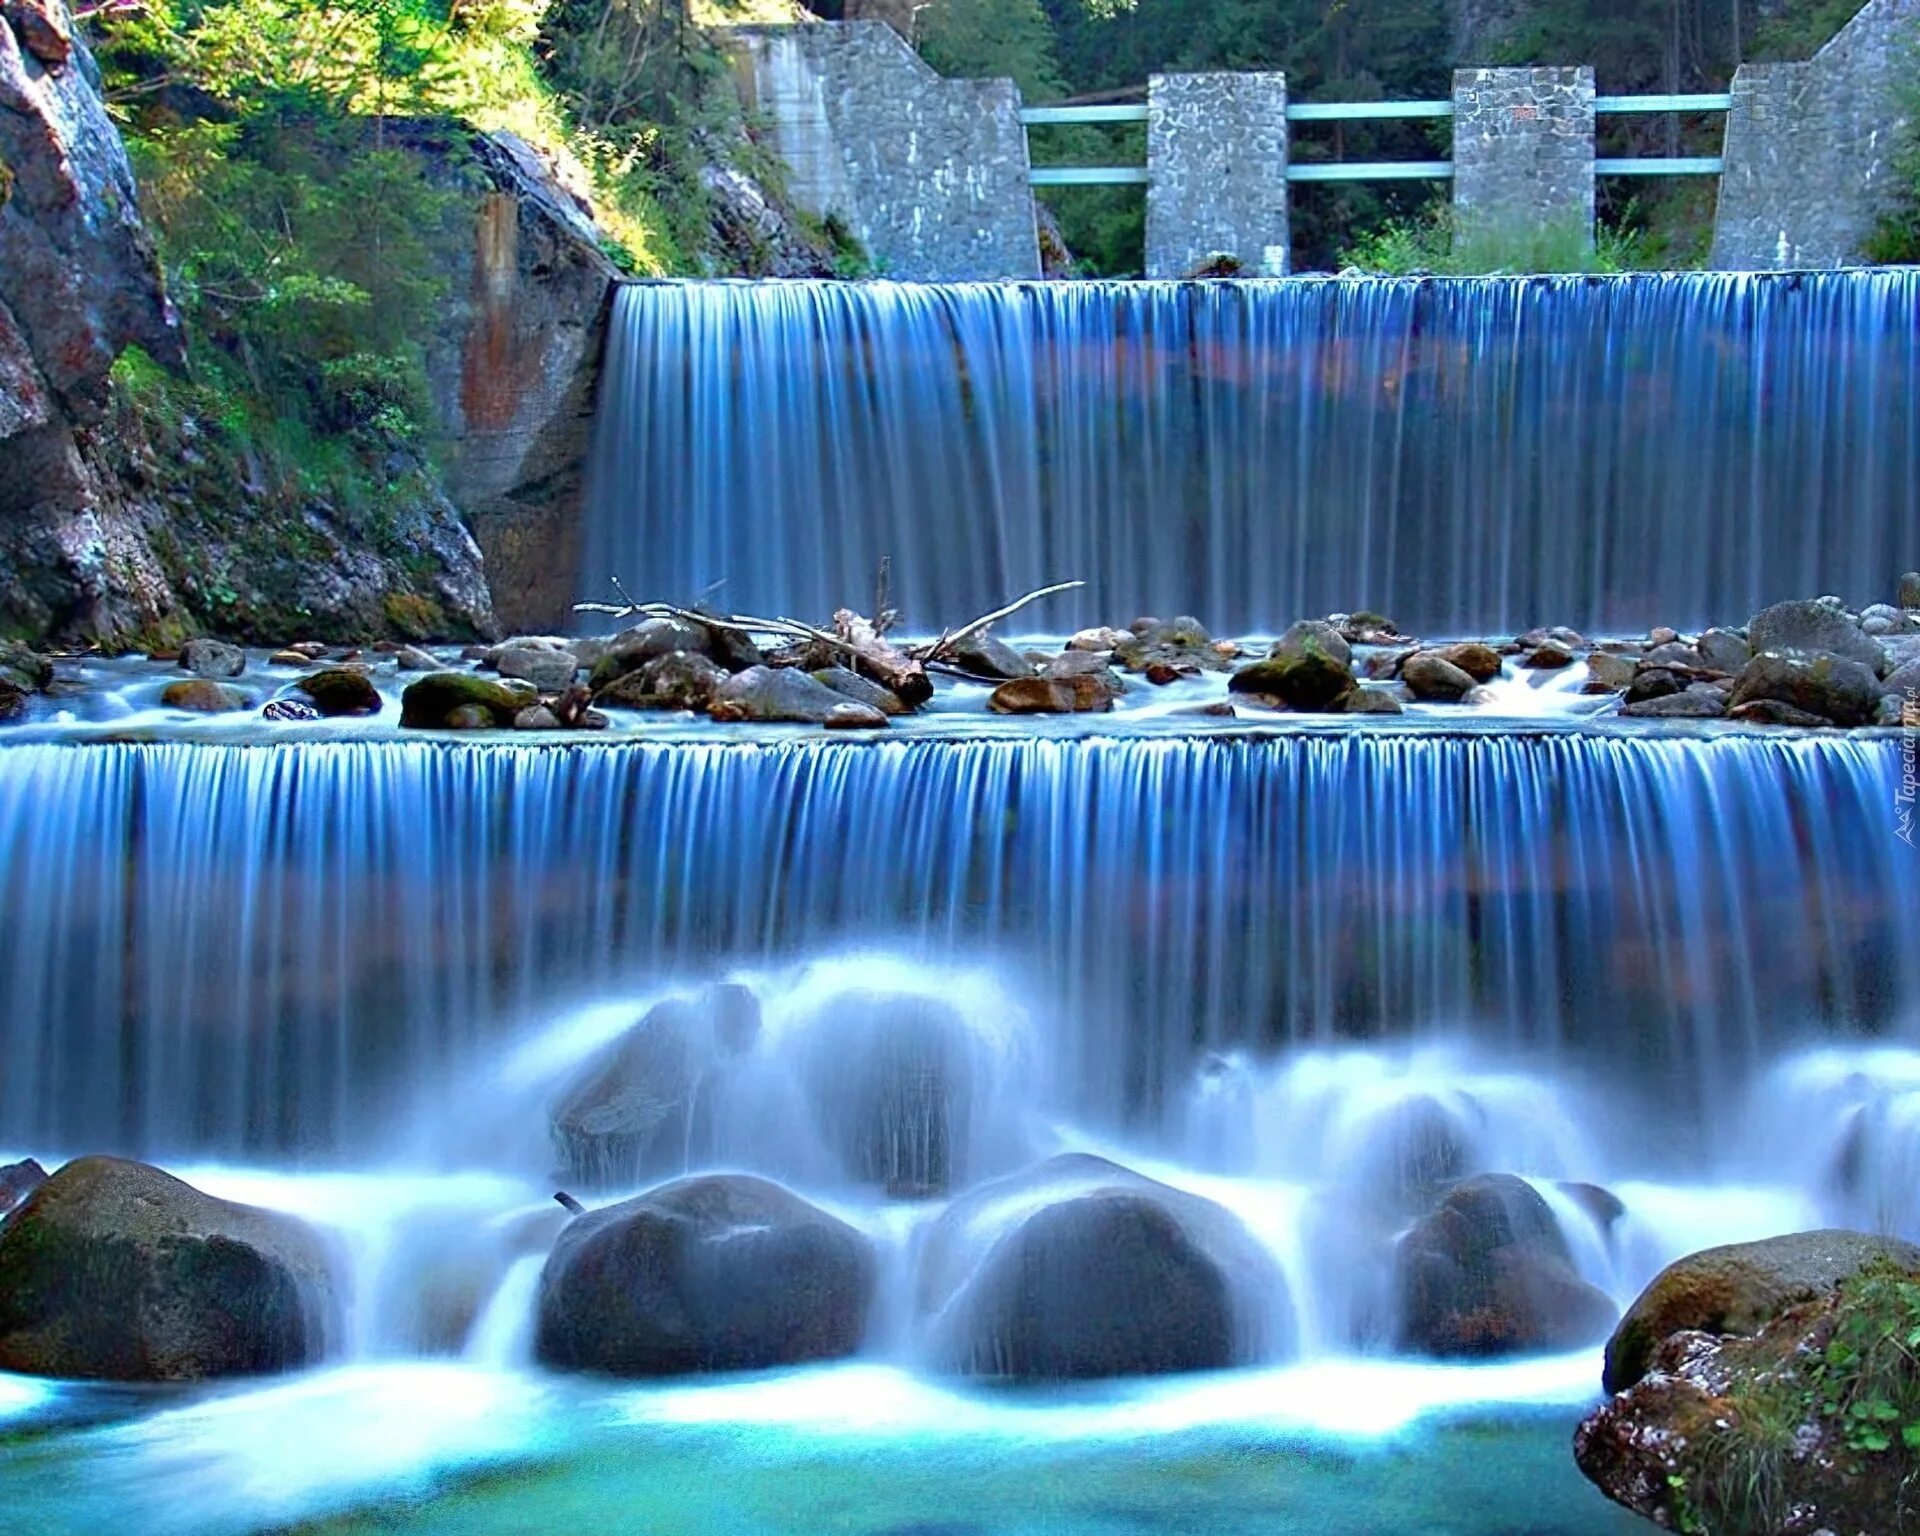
(1724, 650)
(1685, 705)
(713, 1273)
(775, 693)
(1846, 692)
(1807, 628)
(212, 658)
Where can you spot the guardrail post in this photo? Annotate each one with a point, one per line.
(1216, 172)
(1523, 152)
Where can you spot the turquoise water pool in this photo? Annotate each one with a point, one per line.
(449, 1450)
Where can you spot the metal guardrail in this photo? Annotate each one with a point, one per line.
(1374, 111)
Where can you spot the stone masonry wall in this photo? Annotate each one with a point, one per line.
(1216, 172)
(1522, 150)
(1809, 151)
(930, 174)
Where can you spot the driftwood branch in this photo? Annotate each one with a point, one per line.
(941, 647)
(863, 640)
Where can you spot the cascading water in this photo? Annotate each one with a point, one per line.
(271, 949)
(1298, 980)
(1463, 455)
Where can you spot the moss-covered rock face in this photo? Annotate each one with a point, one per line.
(1811, 1423)
(1738, 1289)
(1311, 668)
(114, 1270)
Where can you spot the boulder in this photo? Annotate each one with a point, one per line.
(1489, 1272)
(634, 1112)
(1675, 655)
(1549, 655)
(1724, 650)
(204, 696)
(1812, 627)
(862, 690)
(1896, 709)
(1845, 691)
(410, 658)
(633, 648)
(212, 658)
(17, 1181)
(1688, 704)
(984, 656)
(892, 1080)
(1773, 712)
(677, 680)
(115, 1270)
(1081, 693)
(548, 670)
(850, 716)
(1652, 683)
(1478, 660)
(1309, 668)
(1183, 641)
(27, 670)
(1100, 638)
(341, 691)
(1907, 594)
(1435, 679)
(1903, 679)
(536, 717)
(1607, 673)
(774, 693)
(1793, 1429)
(433, 701)
(1736, 1289)
(720, 1272)
(1079, 1268)
(1885, 619)
(1371, 701)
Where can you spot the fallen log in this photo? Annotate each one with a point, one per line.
(884, 663)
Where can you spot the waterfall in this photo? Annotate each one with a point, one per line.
(1465, 455)
(280, 950)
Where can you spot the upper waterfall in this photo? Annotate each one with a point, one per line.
(1464, 455)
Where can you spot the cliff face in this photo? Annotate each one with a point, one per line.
(119, 527)
(514, 370)
(78, 284)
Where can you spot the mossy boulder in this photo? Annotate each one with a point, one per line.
(431, 702)
(719, 1272)
(1736, 1289)
(1309, 668)
(1804, 1425)
(341, 691)
(114, 1270)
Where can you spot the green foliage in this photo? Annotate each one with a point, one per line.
(1863, 1382)
(1429, 244)
(1897, 240)
(992, 39)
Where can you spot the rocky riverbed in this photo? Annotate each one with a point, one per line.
(1806, 664)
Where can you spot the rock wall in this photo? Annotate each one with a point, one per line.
(930, 174)
(514, 371)
(1523, 150)
(1217, 172)
(78, 284)
(1810, 147)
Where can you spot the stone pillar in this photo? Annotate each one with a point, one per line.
(1522, 153)
(1809, 171)
(1216, 172)
(930, 174)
